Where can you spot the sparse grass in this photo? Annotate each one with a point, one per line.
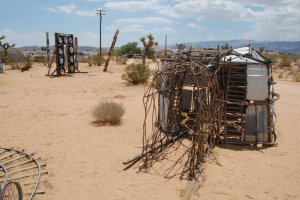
(285, 63)
(15, 65)
(121, 60)
(136, 74)
(108, 113)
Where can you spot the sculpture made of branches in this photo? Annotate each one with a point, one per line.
(183, 103)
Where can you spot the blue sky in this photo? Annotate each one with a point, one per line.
(25, 22)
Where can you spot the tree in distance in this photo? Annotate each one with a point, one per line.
(129, 48)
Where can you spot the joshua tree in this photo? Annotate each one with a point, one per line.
(180, 46)
(1, 38)
(226, 46)
(6, 46)
(148, 46)
(43, 48)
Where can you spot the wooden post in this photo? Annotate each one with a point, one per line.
(76, 53)
(48, 49)
(111, 49)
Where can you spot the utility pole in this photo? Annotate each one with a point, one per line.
(100, 13)
(166, 39)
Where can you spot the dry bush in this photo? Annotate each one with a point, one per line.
(108, 113)
(297, 76)
(285, 63)
(90, 61)
(15, 65)
(121, 60)
(98, 60)
(136, 73)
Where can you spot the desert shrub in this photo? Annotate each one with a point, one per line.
(285, 62)
(108, 113)
(98, 60)
(12, 57)
(136, 73)
(296, 76)
(121, 60)
(15, 65)
(28, 62)
(272, 57)
(40, 59)
(90, 61)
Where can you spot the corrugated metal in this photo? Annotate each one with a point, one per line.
(249, 51)
(257, 82)
(250, 124)
(262, 123)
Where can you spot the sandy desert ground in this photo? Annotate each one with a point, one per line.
(52, 117)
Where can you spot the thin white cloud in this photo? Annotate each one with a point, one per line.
(208, 9)
(195, 26)
(23, 38)
(268, 20)
(86, 13)
(66, 8)
(132, 6)
(134, 28)
(276, 23)
(165, 29)
(147, 20)
(51, 10)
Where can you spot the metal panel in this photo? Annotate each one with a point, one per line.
(262, 123)
(250, 124)
(163, 104)
(257, 82)
(256, 125)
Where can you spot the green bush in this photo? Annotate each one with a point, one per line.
(136, 73)
(97, 60)
(108, 113)
(129, 48)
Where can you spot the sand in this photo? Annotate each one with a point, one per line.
(52, 117)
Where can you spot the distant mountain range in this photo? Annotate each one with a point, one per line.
(278, 46)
